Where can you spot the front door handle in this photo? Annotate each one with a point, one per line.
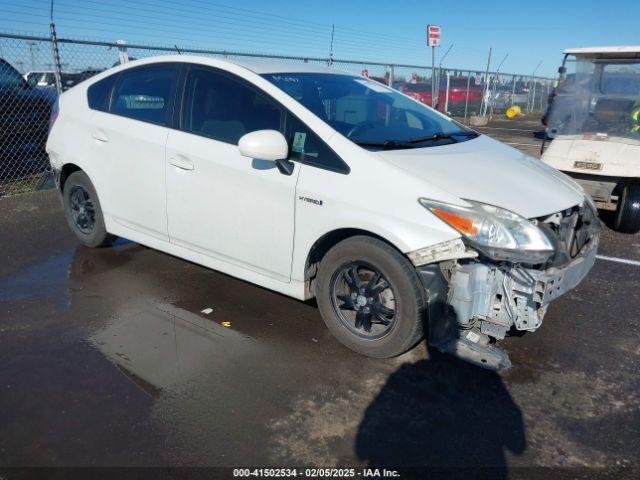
(181, 162)
(100, 136)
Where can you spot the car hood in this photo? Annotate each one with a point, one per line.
(485, 170)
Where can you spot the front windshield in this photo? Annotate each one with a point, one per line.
(598, 97)
(369, 113)
(9, 76)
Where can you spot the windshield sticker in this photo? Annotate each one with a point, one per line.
(375, 86)
(298, 142)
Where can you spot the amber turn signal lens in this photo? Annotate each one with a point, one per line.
(462, 224)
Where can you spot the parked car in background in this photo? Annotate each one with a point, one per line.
(317, 183)
(458, 97)
(69, 80)
(457, 94)
(419, 91)
(505, 95)
(45, 79)
(40, 78)
(24, 122)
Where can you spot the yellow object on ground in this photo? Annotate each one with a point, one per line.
(514, 111)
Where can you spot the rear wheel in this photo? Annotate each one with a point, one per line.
(370, 297)
(83, 212)
(628, 212)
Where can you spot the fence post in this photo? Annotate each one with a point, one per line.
(533, 96)
(446, 93)
(55, 53)
(466, 100)
(391, 75)
(123, 55)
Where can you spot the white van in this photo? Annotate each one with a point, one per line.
(317, 183)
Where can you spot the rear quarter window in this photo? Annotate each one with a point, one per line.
(145, 93)
(99, 93)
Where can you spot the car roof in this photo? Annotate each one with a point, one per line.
(258, 66)
(629, 51)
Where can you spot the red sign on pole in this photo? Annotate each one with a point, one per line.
(433, 35)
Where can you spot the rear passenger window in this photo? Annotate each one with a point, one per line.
(145, 93)
(222, 108)
(98, 94)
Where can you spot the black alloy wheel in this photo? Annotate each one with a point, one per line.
(363, 300)
(82, 210)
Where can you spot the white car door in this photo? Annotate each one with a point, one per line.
(129, 148)
(219, 203)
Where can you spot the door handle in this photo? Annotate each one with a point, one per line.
(100, 136)
(181, 162)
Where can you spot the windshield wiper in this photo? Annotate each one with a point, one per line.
(384, 144)
(391, 144)
(442, 136)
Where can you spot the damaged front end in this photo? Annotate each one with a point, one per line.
(475, 300)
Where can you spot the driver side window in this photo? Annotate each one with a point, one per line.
(306, 147)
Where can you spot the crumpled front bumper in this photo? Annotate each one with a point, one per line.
(484, 300)
(496, 297)
(554, 282)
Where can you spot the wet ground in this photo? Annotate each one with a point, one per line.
(107, 359)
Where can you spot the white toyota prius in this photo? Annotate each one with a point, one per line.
(317, 183)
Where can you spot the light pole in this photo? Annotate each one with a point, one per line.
(440, 64)
(495, 85)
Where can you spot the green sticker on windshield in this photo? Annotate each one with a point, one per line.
(298, 142)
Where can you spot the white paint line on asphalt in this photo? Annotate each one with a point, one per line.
(619, 260)
(521, 144)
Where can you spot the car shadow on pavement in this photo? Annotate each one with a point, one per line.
(442, 413)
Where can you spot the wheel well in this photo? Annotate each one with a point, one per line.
(326, 243)
(67, 170)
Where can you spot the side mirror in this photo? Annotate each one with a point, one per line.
(267, 145)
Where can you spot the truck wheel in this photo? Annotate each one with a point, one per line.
(83, 212)
(628, 212)
(370, 297)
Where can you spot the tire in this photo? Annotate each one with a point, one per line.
(404, 297)
(83, 212)
(628, 213)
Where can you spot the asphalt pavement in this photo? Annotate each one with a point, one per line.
(109, 358)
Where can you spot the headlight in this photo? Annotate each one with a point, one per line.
(496, 232)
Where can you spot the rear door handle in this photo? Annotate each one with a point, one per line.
(100, 136)
(181, 162)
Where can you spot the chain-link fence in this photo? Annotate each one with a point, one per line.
(30, 72)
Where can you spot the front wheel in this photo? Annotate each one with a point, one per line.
(370, 297)
(628, 212)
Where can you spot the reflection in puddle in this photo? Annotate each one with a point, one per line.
(125, 298)
(159, 346)
(48, 278)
